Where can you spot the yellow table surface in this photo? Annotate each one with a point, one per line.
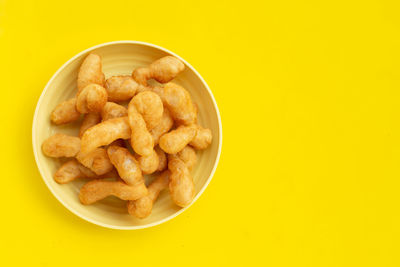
(309, 98)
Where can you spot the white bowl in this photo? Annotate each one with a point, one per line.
(121, 57)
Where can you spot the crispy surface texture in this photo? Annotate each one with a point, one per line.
(61, 145)
(150, 106)
(163, 126)
(141, 208)
(188, 156)
(180, 104)
(92, 99)
(162, 159)
(202, 139)
(149, 164)
(177, 139)
(90, 72)
(121, 88)
(98, 189)
(141, 139)
(127, 166)
(162, 70)
(112, 110)
(141, 75)
(65, 112)
(159, 90)
(105, 133)
(97, 161)
(72, 170)
(89, 120)
(181, 186)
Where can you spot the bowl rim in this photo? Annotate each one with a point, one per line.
(66, 205)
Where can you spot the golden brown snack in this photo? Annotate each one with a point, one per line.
(122, 87)
(97, 161)
(72, 170)
(159, 90)
(98, 189)
(177, 139)
(149, 164)
(111, 174)
(105, 133)
(112, 110)
(150, 106)
(196, 110)
(141, 208)
(90, 72)
(65, 112)
(188, 156)
(127, 166)
(162, 70)
(180, 104)
(163, 127)
(61, 145)
(162, 159)
(90, 120)
(92, 99)
(141, 140)
(142, 88)
(141, 75)
(181, 186)
(202, 139)
(118, 142)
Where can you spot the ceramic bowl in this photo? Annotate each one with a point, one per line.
(121, 57)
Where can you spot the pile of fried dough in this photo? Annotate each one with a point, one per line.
(130, 128)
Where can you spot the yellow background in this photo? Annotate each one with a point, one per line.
(309, 98)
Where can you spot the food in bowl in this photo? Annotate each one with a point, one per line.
(130, 129)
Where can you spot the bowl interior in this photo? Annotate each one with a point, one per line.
(120, 58)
